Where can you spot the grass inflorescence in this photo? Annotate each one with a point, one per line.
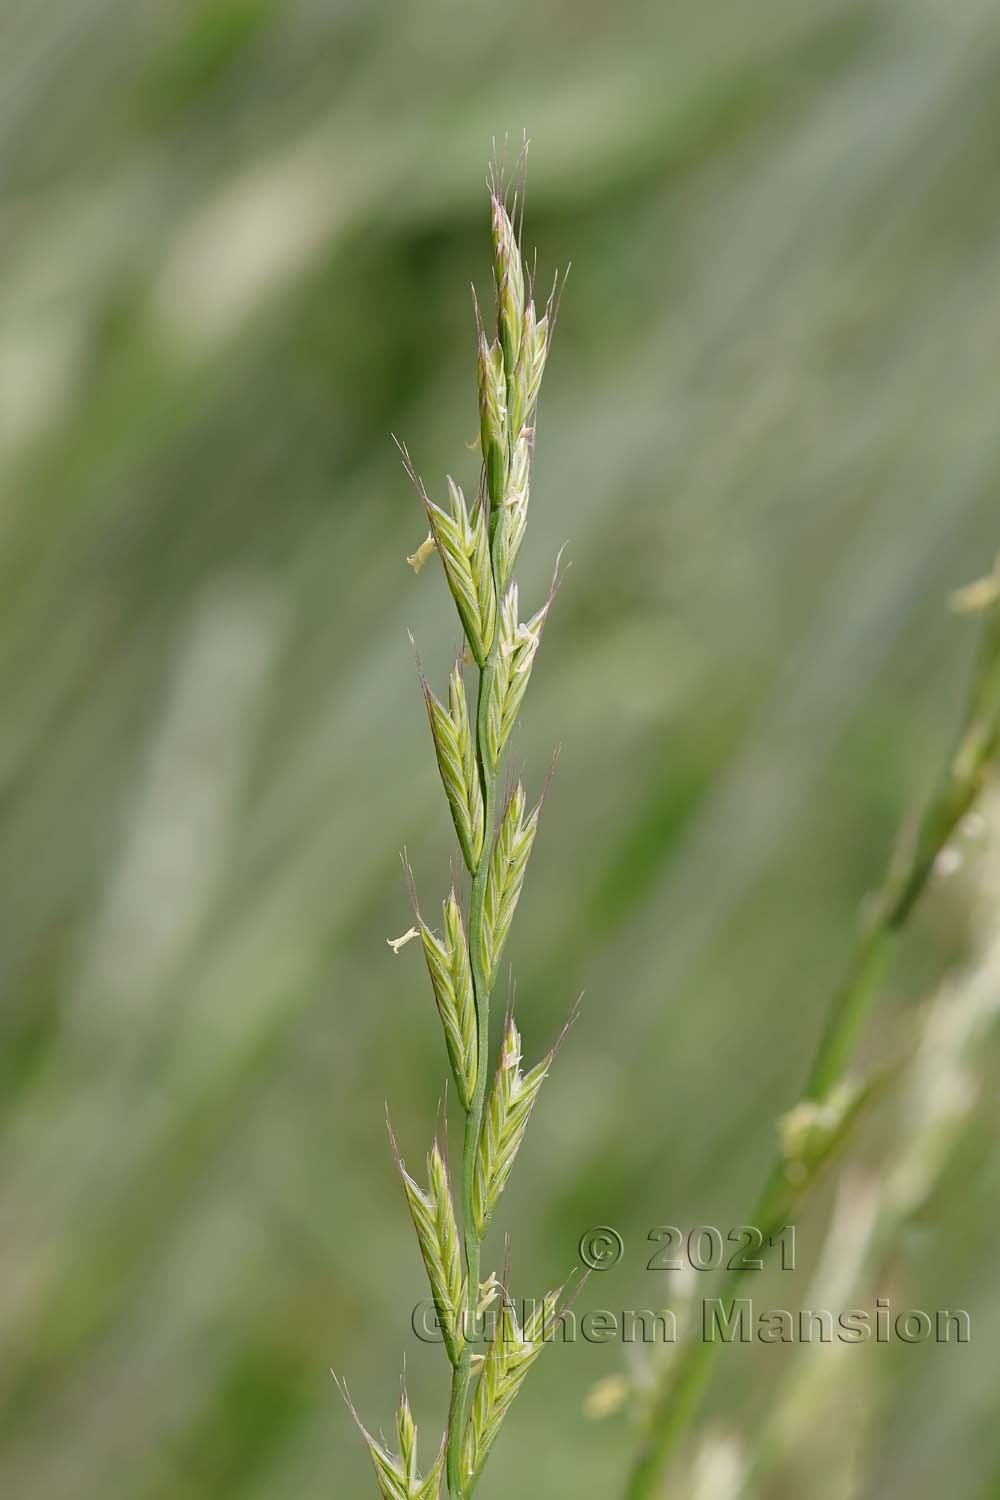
(477, 540)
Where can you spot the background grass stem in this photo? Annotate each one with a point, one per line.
(904, 882)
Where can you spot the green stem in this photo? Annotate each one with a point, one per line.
(904, 883)
(462, 1374)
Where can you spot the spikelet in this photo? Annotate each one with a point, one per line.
(514, 515)
(451, 976)
(510, 285)
(398, 1476)
(406, 1430)
(509, 1358)
(493, 416)
(463, 543)
(455, 748)
(534, 351)
(433, 1216)
(504, 1122)
(527, 377)
(511, 368)
(517, 650)
(505, 878)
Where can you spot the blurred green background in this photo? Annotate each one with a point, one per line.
(236, 241)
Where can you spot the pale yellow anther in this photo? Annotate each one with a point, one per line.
(417, 559)
(488, 1293)
(396, 943)
(979, 595)
(512, 1059)
(523, 636)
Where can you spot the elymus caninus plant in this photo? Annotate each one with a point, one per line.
(477, 540)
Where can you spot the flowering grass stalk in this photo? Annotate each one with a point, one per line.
(812, 1131)
(940, 1085)
(478, 542)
